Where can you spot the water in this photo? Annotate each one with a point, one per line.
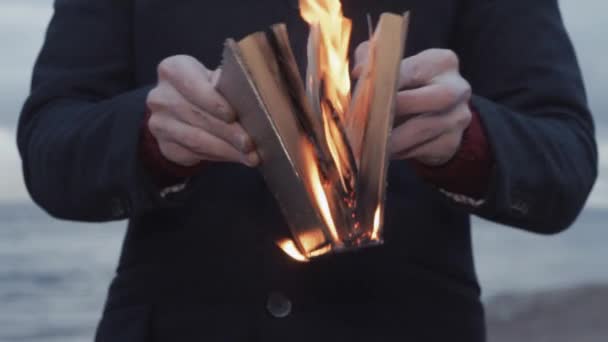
(54, 275)
(510, 260)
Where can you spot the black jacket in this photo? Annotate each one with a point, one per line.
(201, 266)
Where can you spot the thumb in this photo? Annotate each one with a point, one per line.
(214, 76)
(361, 57)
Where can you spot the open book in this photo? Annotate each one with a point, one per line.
(326, 167)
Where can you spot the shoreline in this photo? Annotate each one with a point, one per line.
(562, 315)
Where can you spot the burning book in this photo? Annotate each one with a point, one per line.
(324, 152)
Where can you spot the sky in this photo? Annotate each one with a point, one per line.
(23, 22)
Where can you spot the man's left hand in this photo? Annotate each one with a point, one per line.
(432, 106)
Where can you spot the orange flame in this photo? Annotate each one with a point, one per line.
(377, 223)
(290, 248)
(337, 149)
(335, 30)
(316, 186)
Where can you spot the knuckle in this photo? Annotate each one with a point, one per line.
(449, 94)
(432, 52)
(453, 142)
(197, 142)
(156, 97)
(426, 131)
(187, 85)
(446, 122)
(460, 118)
(175, 106)
(203, 119)
(403, 99)
(449, 58)
(467, 91)
(166, 68)
(178, 154)
(429, 53)
(465, 118)
(169, 150)
(216, 106)
(417, 75)
(169, 67)
(155, 124)
(183, 137)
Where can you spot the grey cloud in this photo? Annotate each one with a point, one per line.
(10, 106)
(21, 34)
(22, 26)
(584, 19)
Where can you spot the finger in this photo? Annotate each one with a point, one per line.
(436, 152)
(418, 131)
(197, 140)
(425, 128)
(215, 77)
(168, 99)
(179, 154)
(184, 156)
(420, 69)
(193, 80)
(233, 133)
(436, 97)
(361, 58)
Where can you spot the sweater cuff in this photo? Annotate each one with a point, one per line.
(468, 173)
(164, 172)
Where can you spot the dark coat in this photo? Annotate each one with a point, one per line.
(200, 265)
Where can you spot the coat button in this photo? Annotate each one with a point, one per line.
(278, 305)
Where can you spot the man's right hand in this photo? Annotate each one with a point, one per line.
(191, 121)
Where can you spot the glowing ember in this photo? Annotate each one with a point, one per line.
(335, 31)
(377, 224)
(289, 247)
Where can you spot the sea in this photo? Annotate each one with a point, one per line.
(54, 274)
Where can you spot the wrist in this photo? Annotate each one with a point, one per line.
(163, 171)
(468, 171)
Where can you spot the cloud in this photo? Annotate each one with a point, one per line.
(20, 14)
(11, 102)
(23, 23)
(12, 187)
(22, 27)
(599, 196)
(587, 27)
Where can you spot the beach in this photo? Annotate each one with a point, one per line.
(54, 277)
(566, 315)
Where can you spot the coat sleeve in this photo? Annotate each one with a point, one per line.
(79, 129)
(529, 92)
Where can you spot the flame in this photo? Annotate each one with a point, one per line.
(335, 31)
(377, 223)
(338, 151)
(332, 31)
(312, 240)
(321, 251)
(316, 186)
(328, 84)
(289, 247)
